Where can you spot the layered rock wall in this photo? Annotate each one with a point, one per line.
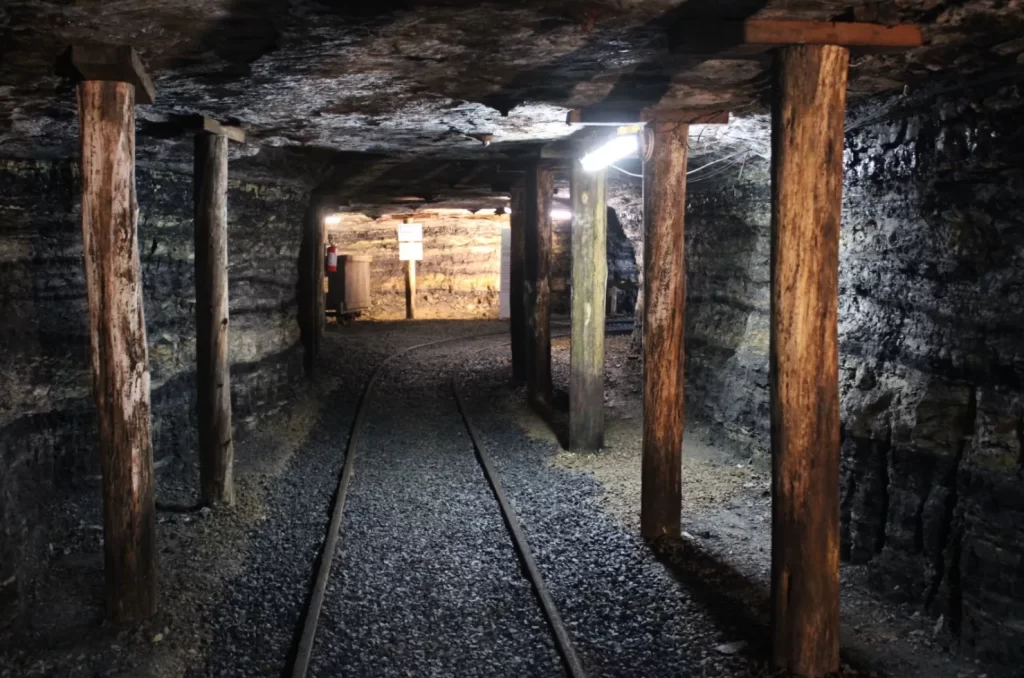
(47, 416)
(931, 343)
(459, 276)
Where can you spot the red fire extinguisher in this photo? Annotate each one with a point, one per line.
(332, 259)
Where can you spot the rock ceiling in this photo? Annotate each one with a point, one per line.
(344, 91)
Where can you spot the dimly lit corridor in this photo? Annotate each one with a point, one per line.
(447, 338)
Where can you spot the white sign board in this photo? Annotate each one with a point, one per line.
(410, 251)
(410, 233)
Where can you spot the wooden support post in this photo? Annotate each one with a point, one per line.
(517, 308)
(117, 333)
(537, 287)
(807, 184)
(312, 299)
(589, 291)
(410, 290)
(213, 377)
(663, 327)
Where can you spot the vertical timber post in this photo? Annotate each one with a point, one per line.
(663, 327)
(537, 287)
(589, 293)
(312, 303)
(807, 183)
(117, 334)
(213, 377)
(410, 290)
(517, 308)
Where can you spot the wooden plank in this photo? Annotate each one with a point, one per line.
(214, 127)
(517, 302)
(617, 116)
(410, 290)
(213, 375)
(117, 341)
(537, 287)
(663, 329)
(807, 185)
(755, 36)
(312, 300)
(589, 292)
(114, 63)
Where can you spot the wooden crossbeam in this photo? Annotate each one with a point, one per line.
(750, 38)
(613, 116)
(117, 63)
(205, 124)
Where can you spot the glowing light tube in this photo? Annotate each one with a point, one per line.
(616, 149)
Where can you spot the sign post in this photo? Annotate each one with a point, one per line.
(410, 250)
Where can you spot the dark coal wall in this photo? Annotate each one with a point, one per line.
(932, 348)
(47, 418)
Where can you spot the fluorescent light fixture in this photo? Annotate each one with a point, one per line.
(332, 219)
(615, 149)
(561, 215)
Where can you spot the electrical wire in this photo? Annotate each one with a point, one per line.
(627, 173)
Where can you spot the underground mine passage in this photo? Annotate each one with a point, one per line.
(591, 338)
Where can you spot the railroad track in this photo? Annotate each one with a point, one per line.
(303, 651)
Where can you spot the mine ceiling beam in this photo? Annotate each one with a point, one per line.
(664, 321)
(589, 292)
(113, 63)
(539, 187)
(517, 272)
(112, 77)
(213, 374)
(753, 37)
(616, 115)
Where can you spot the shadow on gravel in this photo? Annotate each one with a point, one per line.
(736, 602)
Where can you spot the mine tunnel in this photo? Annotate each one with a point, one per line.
(551, 338)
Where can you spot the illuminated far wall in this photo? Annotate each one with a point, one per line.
(459, 276)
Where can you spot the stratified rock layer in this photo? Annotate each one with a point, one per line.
(47, 415)
(931, 282)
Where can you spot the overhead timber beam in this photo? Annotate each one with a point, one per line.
(754, 37)
(114, 63)
(615, 116)
(112, 77)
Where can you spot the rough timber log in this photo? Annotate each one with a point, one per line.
(311, 282)
(213, 378)
(517, 261)
(589, 291)
(117, 334)
(537, 288)
(807, 183)
(410, 290)
(664, 322)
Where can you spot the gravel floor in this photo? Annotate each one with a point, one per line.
(629, 616)
(426, 581)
